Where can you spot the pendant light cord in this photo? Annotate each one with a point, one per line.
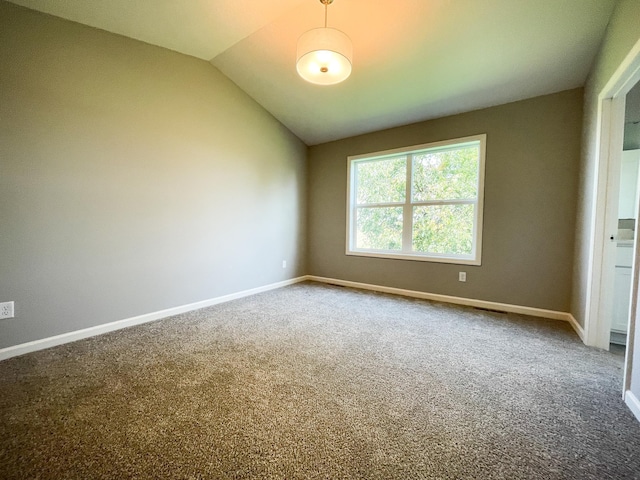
(325, 15)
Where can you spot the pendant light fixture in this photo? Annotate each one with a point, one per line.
(324, 54)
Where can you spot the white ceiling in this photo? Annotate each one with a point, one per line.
(413, 59)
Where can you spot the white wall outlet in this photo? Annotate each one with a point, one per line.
(462, 276)
(6, 310)
(284, 264)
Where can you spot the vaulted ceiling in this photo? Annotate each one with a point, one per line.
(413, 59)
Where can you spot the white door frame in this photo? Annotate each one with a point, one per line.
(606, 187)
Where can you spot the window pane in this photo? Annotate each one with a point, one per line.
(446, 175)
(381, 181)
(445, 229)
(379, 228)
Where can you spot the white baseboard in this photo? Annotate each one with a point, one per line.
(41, 344)
(633, 403)
(576, 326)
(470, 302)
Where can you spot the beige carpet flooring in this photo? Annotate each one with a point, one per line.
(316, 381)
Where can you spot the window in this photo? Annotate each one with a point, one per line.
(418, 203)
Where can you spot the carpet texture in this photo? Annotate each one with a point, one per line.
(316, 381)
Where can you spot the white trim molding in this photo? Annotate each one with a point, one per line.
(68, 337)
(633, 403)
(469, 302)
(576, 326)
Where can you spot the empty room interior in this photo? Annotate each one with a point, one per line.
(319, 239)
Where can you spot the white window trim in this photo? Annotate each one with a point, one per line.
(476, 256)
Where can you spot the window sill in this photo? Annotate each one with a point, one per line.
(416, 257)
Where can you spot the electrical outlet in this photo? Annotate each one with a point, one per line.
(284, 264)
(6, 310)
(462, 276)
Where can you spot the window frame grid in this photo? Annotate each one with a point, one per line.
(406, 252)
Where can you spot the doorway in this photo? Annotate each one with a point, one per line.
(605, 225)
(628, 201)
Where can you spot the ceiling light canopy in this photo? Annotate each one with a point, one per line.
(324, 54)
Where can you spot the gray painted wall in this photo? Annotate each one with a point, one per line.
(533, 150)
(132, 179)
(632, 119)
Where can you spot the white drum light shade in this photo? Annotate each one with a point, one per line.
(324, 56)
